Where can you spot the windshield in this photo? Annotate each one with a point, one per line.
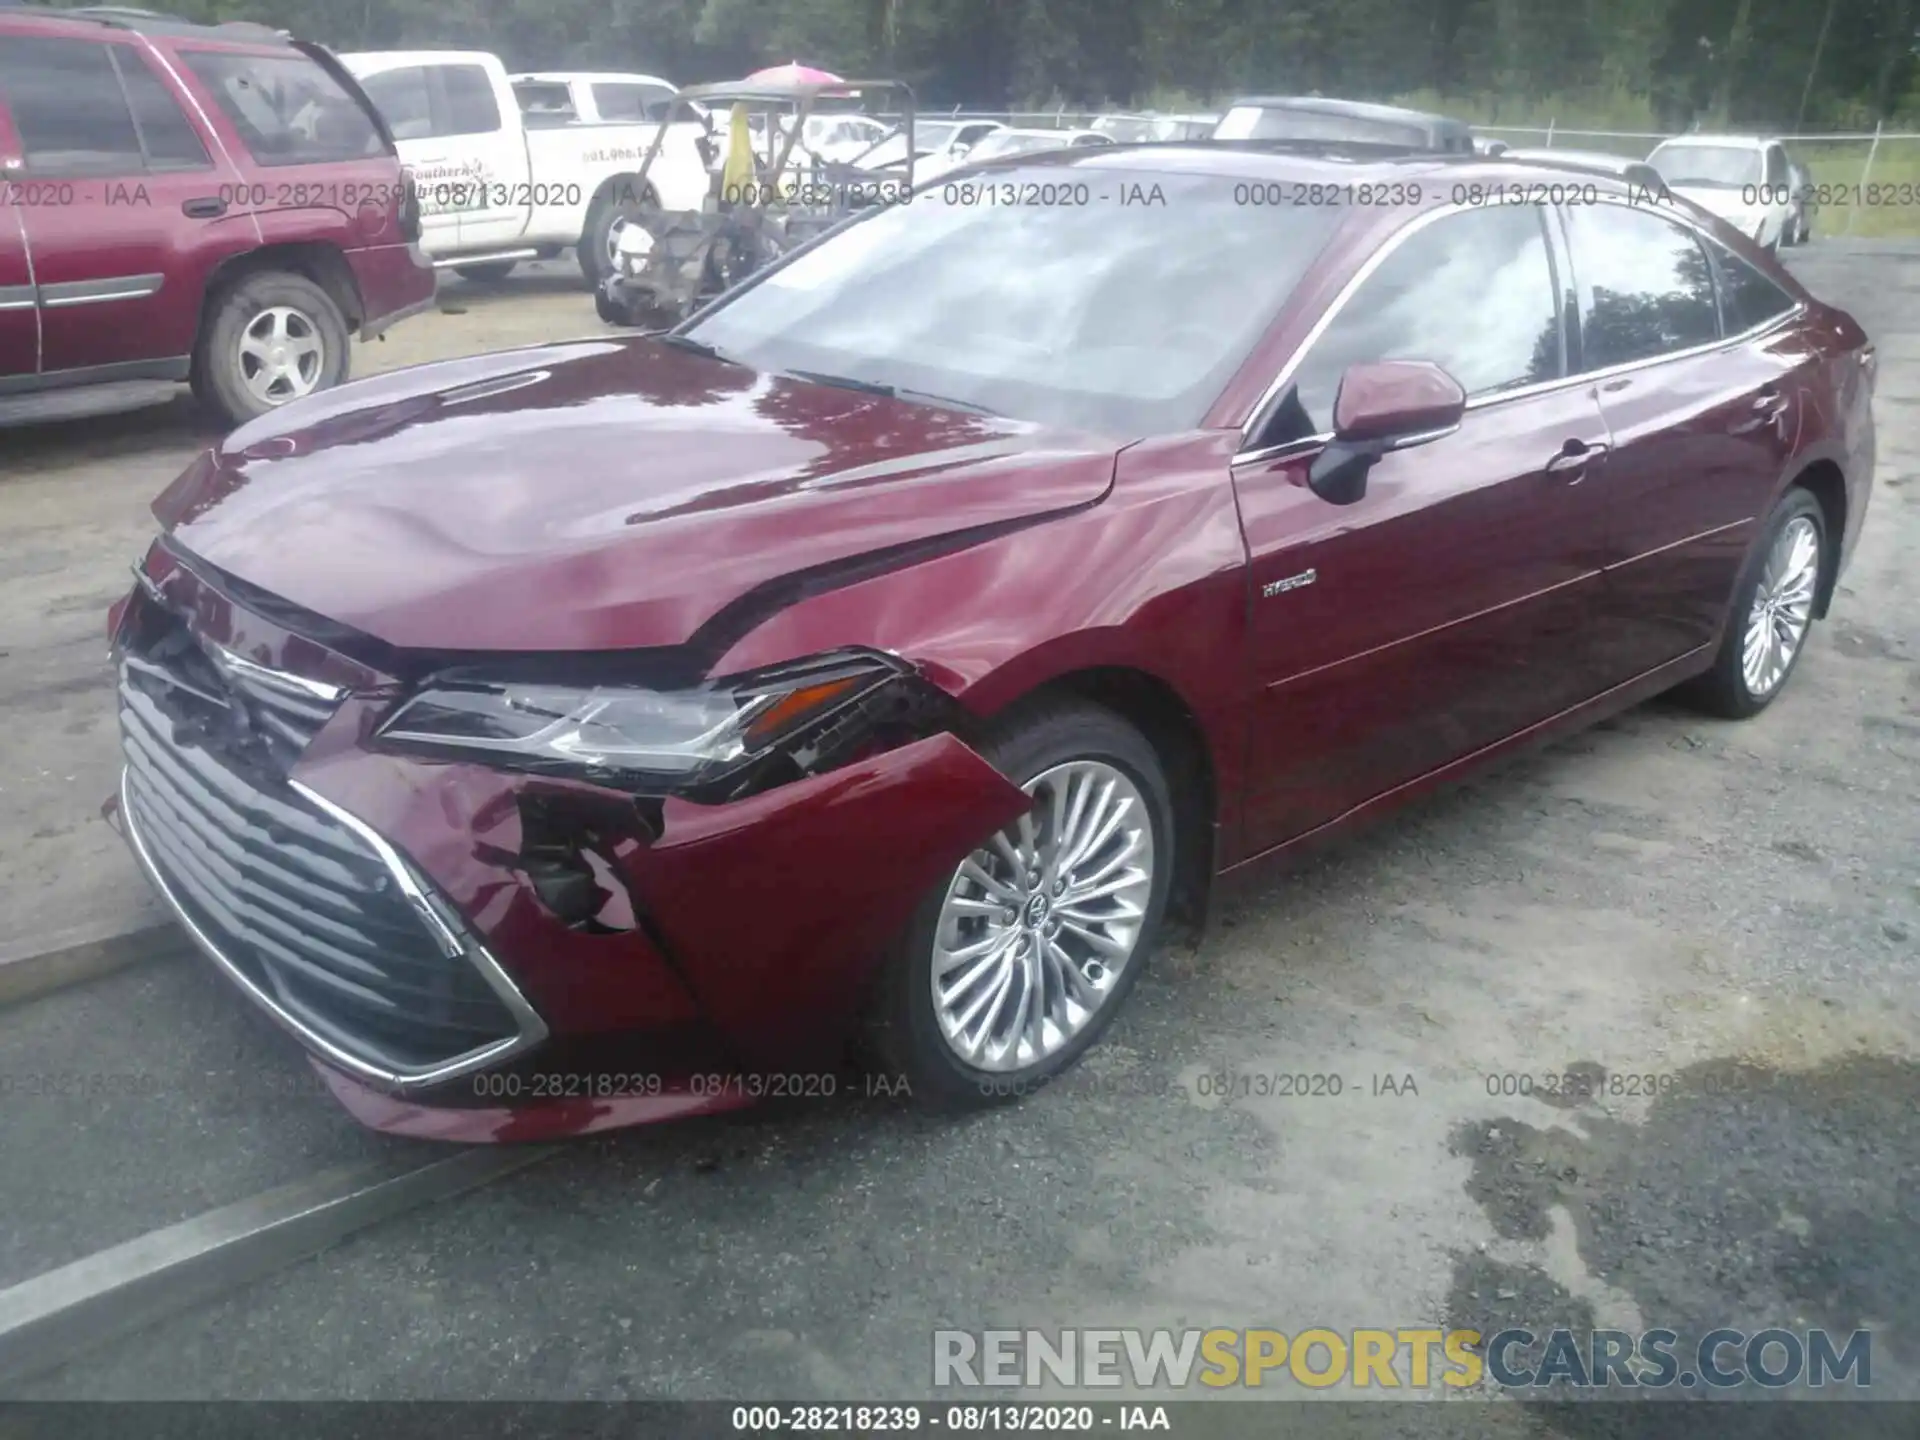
(932, 134)
(1097, 314)
(1716, 166)
(1125, 129)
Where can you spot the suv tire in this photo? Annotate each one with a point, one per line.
(278, 317)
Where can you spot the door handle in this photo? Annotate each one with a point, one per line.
(1767, 409)
(203, 207)
(1573, 459)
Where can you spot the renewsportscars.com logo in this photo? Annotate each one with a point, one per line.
(1397, 1359)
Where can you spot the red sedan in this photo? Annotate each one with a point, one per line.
(615, 729)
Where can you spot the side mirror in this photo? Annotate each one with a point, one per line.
(1382, 405)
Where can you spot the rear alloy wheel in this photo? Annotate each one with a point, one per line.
(1771, 615)
(273, 338)
(1019, 959)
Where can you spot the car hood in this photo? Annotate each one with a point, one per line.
(601, 494)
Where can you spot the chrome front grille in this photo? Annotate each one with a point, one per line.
(318, 919)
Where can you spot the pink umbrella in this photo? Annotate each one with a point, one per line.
(794, 73)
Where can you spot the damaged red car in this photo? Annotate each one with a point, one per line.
(618, 728)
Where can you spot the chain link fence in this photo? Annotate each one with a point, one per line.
(1866, 183)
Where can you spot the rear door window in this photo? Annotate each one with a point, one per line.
(1472, 292)
(287, 109)
(1748, 299)
(166, 135)
(68, 107)
(1646, 289)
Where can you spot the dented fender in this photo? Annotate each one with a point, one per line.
(761, 919)
(779, 906)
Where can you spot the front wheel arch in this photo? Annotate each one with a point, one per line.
(1157, 711)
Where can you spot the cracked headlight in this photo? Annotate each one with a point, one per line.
(637, 738)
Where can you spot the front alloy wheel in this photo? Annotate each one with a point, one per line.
(1039, 925)
(1016, 962)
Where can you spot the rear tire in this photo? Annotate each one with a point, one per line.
(1771, 614)
(268, 314)
(1059, 959)
(486, 272)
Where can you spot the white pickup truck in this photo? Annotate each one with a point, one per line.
(494, 191)
(594, 96)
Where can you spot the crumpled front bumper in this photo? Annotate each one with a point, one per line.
(744, 936)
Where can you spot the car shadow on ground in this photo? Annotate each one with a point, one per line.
(33, 447)
(538, 277)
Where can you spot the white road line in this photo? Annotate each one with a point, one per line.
(49, 1319)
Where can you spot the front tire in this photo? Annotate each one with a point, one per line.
(1771, 614)
(271, 338)
(1016, 962)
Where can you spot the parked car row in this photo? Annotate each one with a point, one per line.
(227, 208)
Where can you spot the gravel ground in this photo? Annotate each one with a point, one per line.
(73, 517)
(1733, 909)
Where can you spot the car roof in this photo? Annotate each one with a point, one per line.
(1581, 159)
(592, 77)
(90, 20)
(1355, 109)
(397, 59)
(1734, 142)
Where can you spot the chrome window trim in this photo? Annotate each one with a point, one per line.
(532, 1029)
(1393, 242)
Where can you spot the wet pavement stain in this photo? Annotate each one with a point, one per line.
(1748, 1198)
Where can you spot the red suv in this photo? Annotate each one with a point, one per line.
(217, 205)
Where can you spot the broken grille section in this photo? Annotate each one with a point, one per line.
(304, 908)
